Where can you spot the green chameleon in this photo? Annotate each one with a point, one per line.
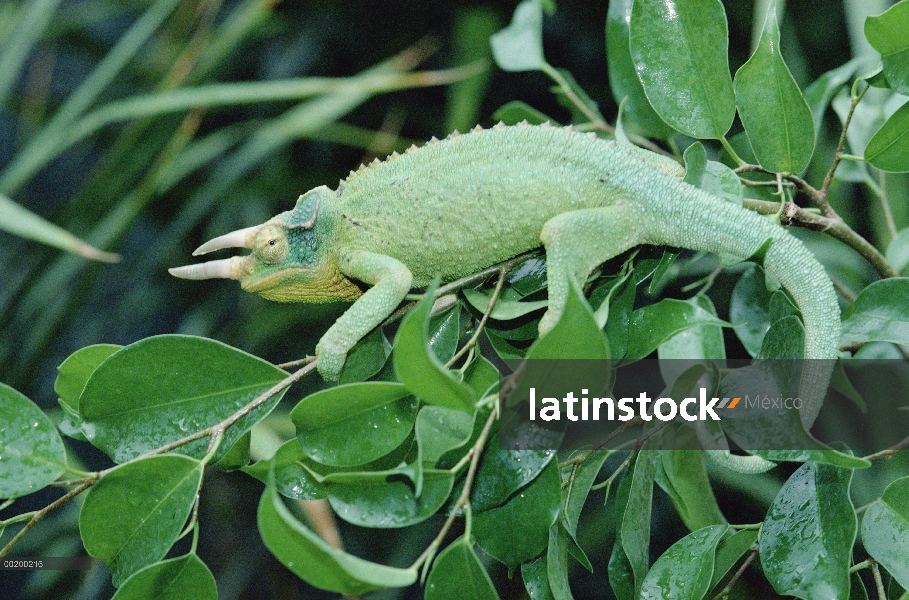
(462, 204)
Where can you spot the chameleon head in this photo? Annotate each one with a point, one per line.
(286, 263)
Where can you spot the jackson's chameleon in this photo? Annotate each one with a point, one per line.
(459, 205)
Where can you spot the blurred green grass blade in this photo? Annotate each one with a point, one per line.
(222, 94)
(19, 221)
(46, 144)
(244, 19)
(473, 27)
(26, 30)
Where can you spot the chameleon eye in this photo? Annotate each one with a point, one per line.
(271, 245)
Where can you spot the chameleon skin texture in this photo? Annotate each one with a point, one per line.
(459, 205)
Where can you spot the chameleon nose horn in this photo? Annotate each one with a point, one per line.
(241, 238)
(226, 268)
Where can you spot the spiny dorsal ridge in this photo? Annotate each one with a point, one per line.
(411, 150)
(394, 155)
(591, 135)
(477, 129)
(569, 128)
(524, 123)
(453, 134)
(546, 125)
(500, 125)
(433, 141)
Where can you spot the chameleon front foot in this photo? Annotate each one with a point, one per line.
(330, 363)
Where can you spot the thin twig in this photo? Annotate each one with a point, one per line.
(724, 593)
(792, 214)
(475, 453)
(889, 452)
(489, 308)
(828, 179)
(43, 513)
(878, 582)
(885, 204)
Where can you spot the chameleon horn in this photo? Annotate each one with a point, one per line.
(227, 268)
(240, 238)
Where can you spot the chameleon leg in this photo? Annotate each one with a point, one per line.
(390, 281)
(576, 242)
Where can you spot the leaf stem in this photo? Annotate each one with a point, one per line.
(838, 156)
(503, 271)
(878, 582)
(38, 515)
(732, 153)
(724, 593)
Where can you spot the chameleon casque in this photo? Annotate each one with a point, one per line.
(453, 207)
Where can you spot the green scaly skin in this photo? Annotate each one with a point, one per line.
(459, 205)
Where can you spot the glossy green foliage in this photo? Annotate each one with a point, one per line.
(163, 388)
(31, 451)
(457, 573)
(685, 570)
(806, 541)
(776, 117)
(887, 34)
(381, 413)
(518, 530)
(152, 499)
(888, 149)
(312, 559)
(170, 580)
(689, 86)
(885, 530)
(880, 313)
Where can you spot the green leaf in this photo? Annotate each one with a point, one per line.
(898, 251)
(516, 111)
(503, 472)
(313, 560)
(887, 34)
(637, 115)
(292, 472)
(713, 177)
(444, 331)
(536, 579)
(134, 514)
(652, 325)
(557, 563)
(584, 476)
(439, 430)
(879, 314)
(684, 571)
(679, 48)
(173, 579)
(504, 310)
(576, 335)
(635, 530)
(748, 309)
(518, 530)
(519, 47)
(776, 117)
(682, 475)
(73, 373)
(238, 455)
(730, 551)
(888, 149)
(419, 369)
(784, 340)
(366, 358)
(19, 221)
(388, 499)
(457, 574)
(702, 342)
(355, 423)
(31, 451)
(163, 388)
(885, 530)
(806, 541)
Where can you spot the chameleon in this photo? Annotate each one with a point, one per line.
(455, 206)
